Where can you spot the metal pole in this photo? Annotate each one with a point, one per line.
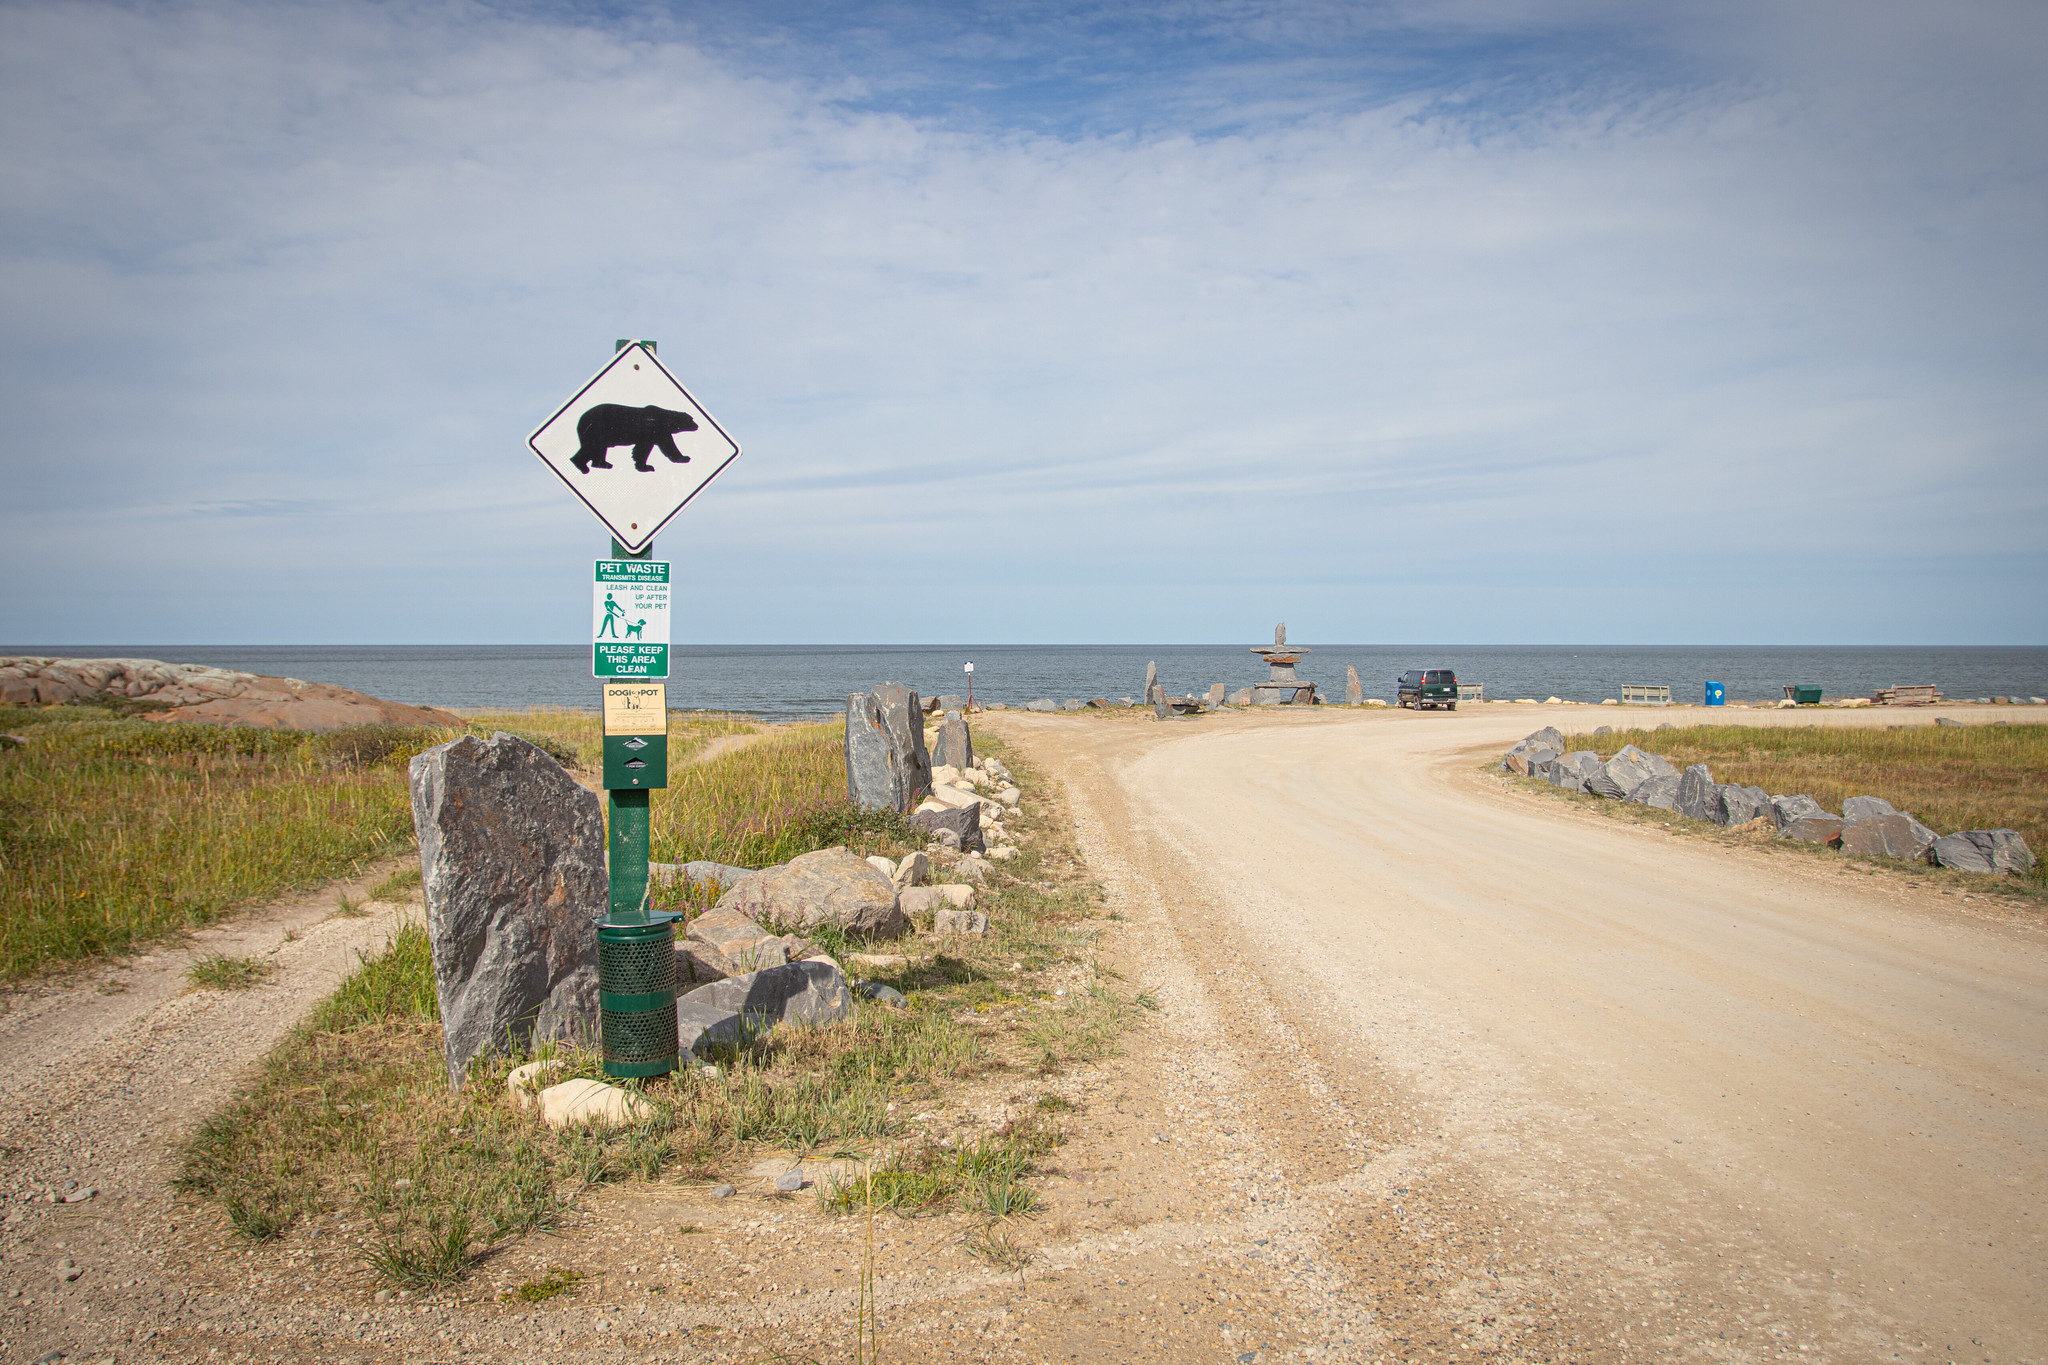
(628, 840)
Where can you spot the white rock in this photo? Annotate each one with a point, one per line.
(525, 1081)
(959, 896)
(953, 922)
(882, 865)
(588, 1101)
(912, 871)
(1003, 854)
(1010, 796)
(947, 774)
(954, 798)
(975, 777)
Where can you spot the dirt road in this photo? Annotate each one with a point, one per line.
(1443, 1070)
(1651, 1098)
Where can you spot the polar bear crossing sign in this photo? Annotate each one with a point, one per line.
(634, 446)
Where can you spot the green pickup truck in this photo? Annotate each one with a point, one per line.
(1427, 687)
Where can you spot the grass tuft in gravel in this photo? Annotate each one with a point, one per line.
(220, 972)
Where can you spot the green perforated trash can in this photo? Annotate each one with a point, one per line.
(636, 978)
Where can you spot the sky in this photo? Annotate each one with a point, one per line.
(1461, 322)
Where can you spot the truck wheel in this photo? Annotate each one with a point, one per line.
(1454, 706)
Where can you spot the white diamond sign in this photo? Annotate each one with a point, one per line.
(634, 446)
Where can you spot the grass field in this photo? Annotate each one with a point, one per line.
(1951, 777)
(116, 831)
(351, 1119)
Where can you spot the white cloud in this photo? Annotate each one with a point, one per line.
(1429, 363)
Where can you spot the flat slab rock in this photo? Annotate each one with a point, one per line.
(1813, 829)
(831, 886)
(1887, 836)
(731, 1011)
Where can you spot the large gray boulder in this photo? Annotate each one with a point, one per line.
(1661, 792)
(872, 779)
(1743, 804)
(1699, 796)
(1786, 809)
(1887, 836)
(830, 886)
(512, 865)
(1042, 704)
(963, 825)
(1600, 784)
(741, 1008)
(887, 767)
(1865, 808)
(1566, 775)
(1354, 690)
(956, 745)
(905, 724)
(1632, 767)
(1983, 850)
(1154, 692)
(1813, 829)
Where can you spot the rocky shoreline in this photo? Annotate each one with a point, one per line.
(196, 692)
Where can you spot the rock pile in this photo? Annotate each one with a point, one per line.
(196, 692)
(965, 810)
(1867, 825)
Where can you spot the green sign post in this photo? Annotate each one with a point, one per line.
(633, 405)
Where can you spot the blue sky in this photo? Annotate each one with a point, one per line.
(1464, 322)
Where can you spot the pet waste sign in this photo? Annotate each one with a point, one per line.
(629, 619)
(633, 404)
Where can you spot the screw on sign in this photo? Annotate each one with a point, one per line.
(635, 404)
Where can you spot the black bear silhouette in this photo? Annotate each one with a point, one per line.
(615, 424)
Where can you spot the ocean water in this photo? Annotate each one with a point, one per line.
(785, 681)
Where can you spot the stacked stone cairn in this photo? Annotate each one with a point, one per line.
(1867, 825)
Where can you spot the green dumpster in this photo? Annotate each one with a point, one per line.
(1806, 694)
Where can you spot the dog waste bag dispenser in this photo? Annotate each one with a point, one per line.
(1717, 694)
(636, 947)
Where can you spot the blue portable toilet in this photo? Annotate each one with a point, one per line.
(1717, 694)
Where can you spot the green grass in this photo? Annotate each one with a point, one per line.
(115, 831)
(769, 802)
(352, 1115)
(556, 1281)
(219, 972)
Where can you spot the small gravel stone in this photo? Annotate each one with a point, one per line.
(789, 1182)
(724, 1192)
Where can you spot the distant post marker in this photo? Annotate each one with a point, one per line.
(970, 686)
(635, 403)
